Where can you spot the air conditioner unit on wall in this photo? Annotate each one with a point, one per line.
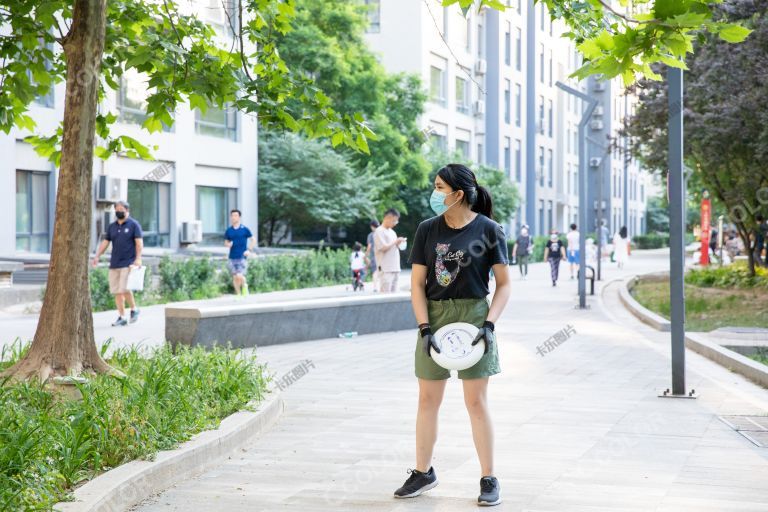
(479, 107)
(191, 232)
(595, 161)
(598, 111)
(596, 125)
(108, 189)
(481, 66)
(599, 86)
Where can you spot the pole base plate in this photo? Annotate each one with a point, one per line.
(667, 393)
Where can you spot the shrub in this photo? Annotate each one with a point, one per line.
(651, 240)
(731, 276)
(49, 444)
(289, 271)
(190, 278)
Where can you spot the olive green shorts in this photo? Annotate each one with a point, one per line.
(442, 312)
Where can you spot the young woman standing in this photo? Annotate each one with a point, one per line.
(452, 256)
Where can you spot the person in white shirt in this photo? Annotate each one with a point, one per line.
(386, 246)
(357, 264)
(573, 248)
(621, 247)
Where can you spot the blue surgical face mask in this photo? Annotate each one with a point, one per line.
(437, 201)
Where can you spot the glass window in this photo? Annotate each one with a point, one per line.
(541, 166)
(374, 15)
(550, 120)
(541, 62)
(550, 220)
(518, 160)
(519, 50)
(541, 217)
(438, 141)
(437, 85)
(462, 95)
(213, 206)
(462, 29)
(551, 168)
(221, 14)
(32, 222)
(151, 207)
(550, 69)
(507, 157)
(508, 44)
(480, 35)
(462, 146)
(543, 16)
(47, 99)
(480, 153)
(541, 115)
(218, 122)
(518, 104)
(132, 99)
(507, 101)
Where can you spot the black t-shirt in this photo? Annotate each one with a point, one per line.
(523, 242)
(554, 248)
(458, 261)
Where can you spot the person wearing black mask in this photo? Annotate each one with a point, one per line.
(127, 243)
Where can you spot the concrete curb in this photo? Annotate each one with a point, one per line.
(754, 371)
(644, 314)
(726, 358)
(125, 486)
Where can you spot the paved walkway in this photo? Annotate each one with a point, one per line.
(17, 322)
(579, 429)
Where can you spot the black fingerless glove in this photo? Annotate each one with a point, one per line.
(486, 334)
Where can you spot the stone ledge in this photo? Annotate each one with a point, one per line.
(647, 316)
(125, 486)
(754, 371)
(251, 325)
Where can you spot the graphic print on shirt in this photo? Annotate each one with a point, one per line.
(443, 274)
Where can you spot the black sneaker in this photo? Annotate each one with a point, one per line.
(134, 315)
(120, 321)
(417, 483)
(489, 492)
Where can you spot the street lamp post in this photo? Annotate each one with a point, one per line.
(591, 104)
(676, 184)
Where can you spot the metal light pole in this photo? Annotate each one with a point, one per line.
(591, 104)
(676, 183)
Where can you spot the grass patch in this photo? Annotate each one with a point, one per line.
(761, 356)
(708, 308)
(49, 445)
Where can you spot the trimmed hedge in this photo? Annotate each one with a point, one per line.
(651, 241)
(206, 278)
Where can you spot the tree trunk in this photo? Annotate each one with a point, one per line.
(64, 342)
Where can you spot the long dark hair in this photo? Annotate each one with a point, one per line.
(623, 232)
(460, 177)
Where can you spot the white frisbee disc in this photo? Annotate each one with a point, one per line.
(455, 343)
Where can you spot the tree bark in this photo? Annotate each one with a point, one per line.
(64, 342)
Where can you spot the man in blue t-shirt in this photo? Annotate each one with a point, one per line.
(240, 241)
(127, 243)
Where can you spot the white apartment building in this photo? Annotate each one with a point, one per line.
(206, 164)
(491, 79)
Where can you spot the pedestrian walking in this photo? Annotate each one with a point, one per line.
(573, 248)
(370, 253)
(127, 241)
(761, 233)
(554, 253)
(603, 236)
(621, 247)
(387, 251)
(452, 256)
(522, 251)
(240, 241)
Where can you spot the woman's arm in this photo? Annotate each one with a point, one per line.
(419, 293)
(546, 253)
(503, 290)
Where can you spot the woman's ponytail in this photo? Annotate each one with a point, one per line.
(484, 202)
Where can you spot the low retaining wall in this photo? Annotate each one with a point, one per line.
(251, 325)
(656, 321)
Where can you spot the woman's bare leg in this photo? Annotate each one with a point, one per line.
(430, 397)
(476, 400)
